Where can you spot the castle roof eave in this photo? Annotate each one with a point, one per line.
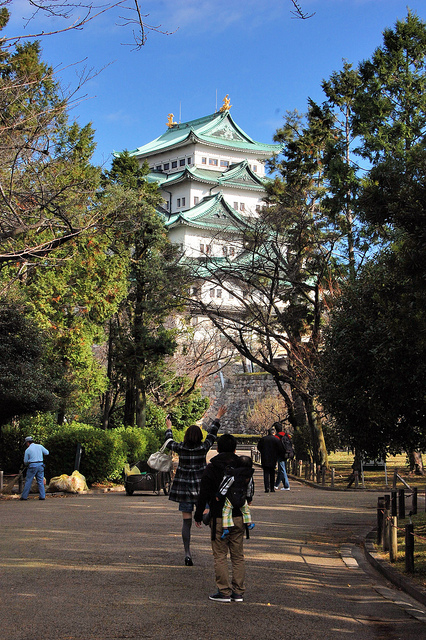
(198, 131)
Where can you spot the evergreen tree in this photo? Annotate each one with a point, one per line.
(142, 334)
(27, 379)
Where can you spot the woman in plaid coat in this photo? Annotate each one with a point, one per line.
(192, 462)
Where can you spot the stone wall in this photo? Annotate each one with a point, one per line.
(238, 391)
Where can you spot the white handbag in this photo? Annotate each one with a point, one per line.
(161, 461)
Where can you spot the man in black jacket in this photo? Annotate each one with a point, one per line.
(269, 447)
(210, 481)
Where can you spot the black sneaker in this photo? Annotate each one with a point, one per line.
(220, 597)
(237, 597)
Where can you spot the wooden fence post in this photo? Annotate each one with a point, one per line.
(333, 471)
(393, 539)
(1, 481)
(380, 508)
(386, 529)
(323, 470)
(409, 548)
(300, 468)
(394, 504)
(401, 503)
(414, 501)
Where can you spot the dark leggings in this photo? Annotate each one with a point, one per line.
(186, 535)
(269, 478)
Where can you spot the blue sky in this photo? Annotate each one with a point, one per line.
(254, 50)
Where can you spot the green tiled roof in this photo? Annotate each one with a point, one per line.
(238, 175)
(213, 212)
(217, 129)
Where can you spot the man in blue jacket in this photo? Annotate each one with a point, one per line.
(33, 458)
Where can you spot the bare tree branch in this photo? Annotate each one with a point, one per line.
(298, 11)
(87, 12)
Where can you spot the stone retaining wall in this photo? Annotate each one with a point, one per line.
(238, 391)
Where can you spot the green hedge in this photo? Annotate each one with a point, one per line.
(103, 452)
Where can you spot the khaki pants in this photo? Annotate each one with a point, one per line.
(234, 544)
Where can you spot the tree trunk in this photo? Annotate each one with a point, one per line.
(141, 407)
(318, 441)
(129, 403)
(416, 463)
(108, 393)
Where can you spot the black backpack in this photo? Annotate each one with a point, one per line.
(241, 488)
(287, 450)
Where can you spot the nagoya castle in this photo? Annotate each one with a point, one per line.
(211, 175)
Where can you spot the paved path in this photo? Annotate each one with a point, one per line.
(110, 566)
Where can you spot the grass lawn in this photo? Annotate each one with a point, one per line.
(373, 480)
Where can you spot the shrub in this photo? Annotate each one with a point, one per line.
(103, 452)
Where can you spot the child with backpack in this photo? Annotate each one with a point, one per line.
(237, 488)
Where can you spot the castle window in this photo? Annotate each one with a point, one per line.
(183, 202)
(158, 168)
(182, 162)
(203, 160)
(225, 251)
(178, 202)
(218, 293)
(236, 205)
(174, 164)
(258, 208)
(224, 163)
(213, 161)
(166, 166)
(196, 199)
(208, 249)
(189, 161)
(255, 168)
(242, 207)
(201, 248)
(211, 293)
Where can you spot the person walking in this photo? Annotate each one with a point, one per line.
(192, 462)
(269, 448)
(227, 590)
(282, 471)
(33, 459)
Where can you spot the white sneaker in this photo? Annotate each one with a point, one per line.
(276, 488)
(285, 489)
